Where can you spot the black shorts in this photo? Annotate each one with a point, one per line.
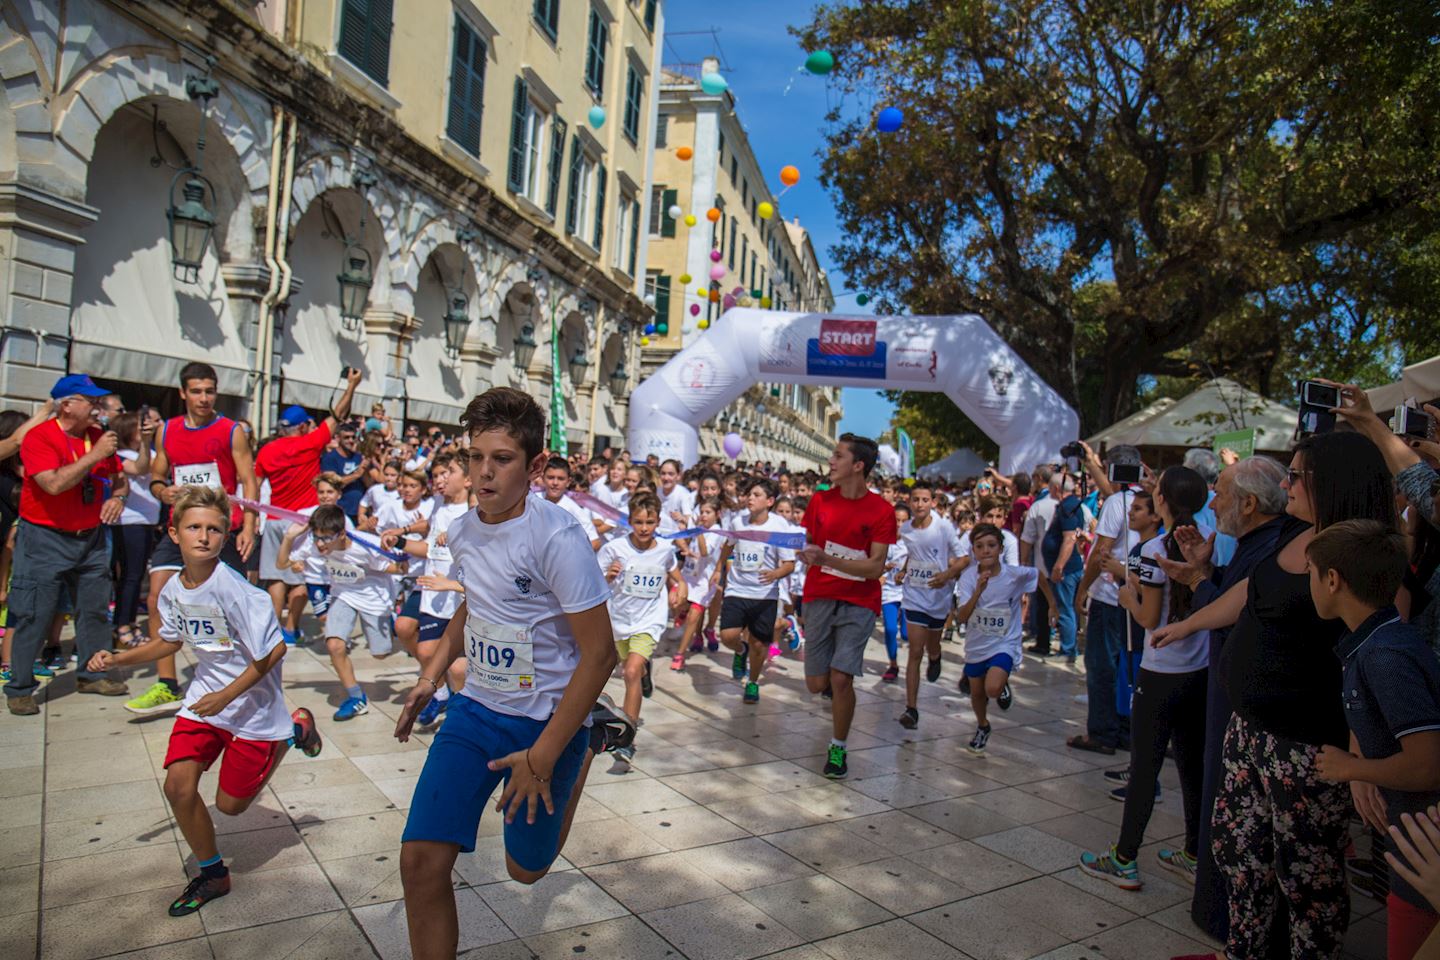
(757, 616)
(167, 554)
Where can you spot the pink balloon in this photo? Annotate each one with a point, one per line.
(694, 309)
(733, 444)
(717, 272)
(737, 291)
(715, 256)
(727, 302)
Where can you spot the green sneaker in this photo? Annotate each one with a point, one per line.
(835, 766)
(155, 701)
(1109, 867)
(752, 692)
(739, 665)
(1179, 863)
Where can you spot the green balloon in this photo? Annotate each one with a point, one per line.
(820, 62)
(863, 299)
(757, 294)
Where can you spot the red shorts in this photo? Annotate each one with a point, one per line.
(247, 763)
(1407, 927)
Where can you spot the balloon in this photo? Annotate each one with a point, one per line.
(597, 116)
(717, 272)
(649, 329)
(737, 291)
(820, 62)
(702, 291)
(715, 256)
(733, 445)
(694, 309)
(689, 219)
(714, 296)
(789, 176)
(756, 294)
(713, 84)
(663, 329)
(766, 210)
(863, 299)
(703, 324)
(727, 302)
(644, 341)
(889, 120)
(743, 302)
(713, 214)
(684, 153)
(684, 279)
(765, 303)
(675, 212)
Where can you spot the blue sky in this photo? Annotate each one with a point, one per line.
(785, 127)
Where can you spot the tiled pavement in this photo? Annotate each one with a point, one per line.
(723, 842)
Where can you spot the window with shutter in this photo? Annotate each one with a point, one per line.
(662, 300)
(734, 169)
(667, 222)
(662, 130)
(573, 202)
(557, 164)
(595, 53)
(633, 94)
(365, 36)
(600, 206)
(744, 249)
(730, 258)
(547, 17)
(516, 174)
(650, 6)
(467, 88)
(634, 236)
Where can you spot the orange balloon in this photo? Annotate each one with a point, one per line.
(714, 296)
(713, 214)
(684, 153)
(789, 176)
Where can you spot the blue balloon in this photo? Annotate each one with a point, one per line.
(889, 120)
(649, 329)
(713, 84)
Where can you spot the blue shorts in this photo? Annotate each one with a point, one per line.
(921, 619)
(432, 628)
(456, 784)
(1001, 660)
(411, 607)
(319, 594)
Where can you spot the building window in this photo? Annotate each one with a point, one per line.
(661, 200)
(730, 259)
(620, 249)
(634, 93)
(634, 237)
(744, 250)
(754, 265)
(662, 130)
(557, 163)
(734, 169)
(527, 144)
(547, 17)
(721, 152)
(650, 6)
(365, 37)
(579, 218)
(595, 53)
(467, 88)
(660, 284)
(601, 179)
(744, 192)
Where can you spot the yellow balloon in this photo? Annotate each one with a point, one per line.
(765, 302)
(684, 278)
(703, 324)
(689, 219)
(702, 291)
(766, 210)
(644, 341)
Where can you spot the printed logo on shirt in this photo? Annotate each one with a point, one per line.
(522, 584)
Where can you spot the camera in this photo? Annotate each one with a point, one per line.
(1074, 449)
(345, 372)
(1316, 402)
(1410, 422)
(1124, 473)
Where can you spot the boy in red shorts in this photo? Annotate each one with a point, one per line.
(234, 707)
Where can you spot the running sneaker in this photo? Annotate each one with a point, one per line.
(647, 685)
(1005, 699)
(199, 892)
(1119, 793)
(352, 708)
(910, 719)
(1118, 776)
(738, 666)
(752, 692)
(156, 700)
(431, 714)
(698, 644)
(291, 637)
(774, 651)
(891, 674)
(1109, 867)
(626, 753)
(56, 660)
(795, 636)
(5, 675)
(827, 694)
(677, 662)
(610, 727)
(932, 670)
(307, 735)
(977, 742)
(712, 642)
(949, 635)
(1179, 863)
(835, 766)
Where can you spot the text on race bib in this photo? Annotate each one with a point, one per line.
(347, 574)
(199, 475)
(499, 657)
(204, 627)
(844, 553)
(920, 576)
(990, 621)
(748, 559)
(440, 554)
(643, 582)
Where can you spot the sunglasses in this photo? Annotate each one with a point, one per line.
(328, 539)
(1291, 475)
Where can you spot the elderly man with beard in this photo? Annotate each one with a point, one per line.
(1249, 505)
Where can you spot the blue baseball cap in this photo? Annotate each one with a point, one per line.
(77, 385)
(294, 416)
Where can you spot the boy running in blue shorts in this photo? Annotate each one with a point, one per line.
(534, 629)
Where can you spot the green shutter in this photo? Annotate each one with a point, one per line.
(599, 206)
(377, 59)
(667, 222)
(662, 300)
(547, 16)
(634, 235)
(730, 254)
(595, 52)
(570, 212)
(633, 94)
(557, 162)
(354, 29)
(650, 6)
(516, 178)
(467, 88)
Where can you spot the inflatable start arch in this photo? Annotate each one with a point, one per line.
(959, 355)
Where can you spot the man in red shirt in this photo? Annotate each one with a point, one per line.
(850, 530)
(291, 462)
(61, 541)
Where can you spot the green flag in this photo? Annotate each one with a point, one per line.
(559, 445)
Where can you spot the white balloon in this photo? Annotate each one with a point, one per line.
(675, 211)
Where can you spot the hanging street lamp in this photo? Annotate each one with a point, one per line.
(191, 222)
(578, 366)
(618, 380)
(457, 322)
(524, 345)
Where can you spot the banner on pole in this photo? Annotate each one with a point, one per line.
(1242, 442)
(907, 452)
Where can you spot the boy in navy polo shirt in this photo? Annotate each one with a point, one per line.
(1391, 691)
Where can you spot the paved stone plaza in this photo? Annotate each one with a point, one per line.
(723, 842)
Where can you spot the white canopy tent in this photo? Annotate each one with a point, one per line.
(1218, 406)
(959, 465)
(1419, 382)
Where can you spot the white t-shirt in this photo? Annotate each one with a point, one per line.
(890, 590)
(441, 562)
(303, 551)
(394, 515)
(376, 497)
(584, 517)
(697, 569)
(1114, 523)
(749, 557)
(1009, 547)
(228, 624)
(521, 577)
(639, 595)
(357, 577)
(994, 625)
(931, 548)
(1183, 656)
(680, 500)
(141, 507)
(619, 499)
(416, 462)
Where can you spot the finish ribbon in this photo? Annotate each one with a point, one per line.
(296, 516)
(795, 540)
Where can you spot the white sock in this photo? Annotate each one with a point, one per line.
(442, 692)
(837, 743)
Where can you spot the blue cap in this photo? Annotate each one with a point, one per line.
(294, 416)
(77, 385)
(374, 424)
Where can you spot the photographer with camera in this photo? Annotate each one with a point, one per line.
(61, 541)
